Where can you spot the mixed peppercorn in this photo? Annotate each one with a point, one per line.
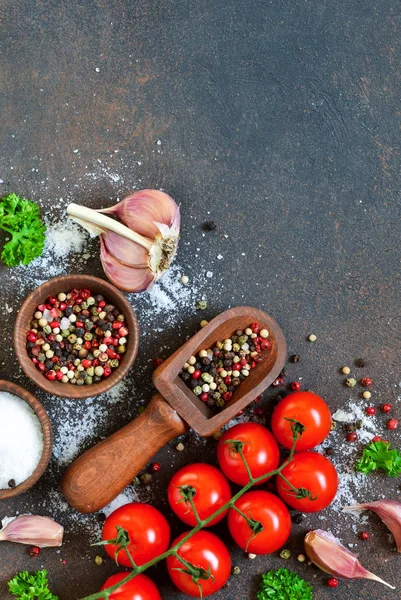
(216, 372)
(77, 337)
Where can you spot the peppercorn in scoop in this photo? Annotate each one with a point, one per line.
(77, 337)
(216, 372)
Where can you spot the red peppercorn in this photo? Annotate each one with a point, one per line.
(87, 345)
(62, 306)
(332, 582)
(51, 337)
(41, 366)
(52, 300)
(59, 375)
(84, 294)
(34, 551)
(364, 536)
(51, 375)
(156, 361)
(352, 437)
(386, 408)
(296, 386)
(86, 363)
(366, 382)
(106, 371)
(35, 361)
(227, 380)
(70, 302)
(80, 324)
(54, 313)
(253, 364)
(370, 410)
(196, 374)
(78, 300)
(95, 362)
(227, 396)
(258, 348)
(378, 438)
(155, 467)
(278, 382)
(54, 324)
(265, 344)
(96, 344)
(392, 424)
(42, 307)
(117, 325)
(31, 336)
(123, 331)
(101, 304)
(113, 354)
(255, 327)
(257, 399)
(243, 362)
(258, 411)
(74, 293)
(204, 396)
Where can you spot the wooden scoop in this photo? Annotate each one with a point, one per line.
(101, 473)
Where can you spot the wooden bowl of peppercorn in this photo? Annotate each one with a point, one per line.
(108, 306)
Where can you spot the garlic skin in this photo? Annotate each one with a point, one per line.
(327, 553)
(389, 511)
(32, 530)
(140, 246)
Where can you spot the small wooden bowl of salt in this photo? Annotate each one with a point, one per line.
(26, 440)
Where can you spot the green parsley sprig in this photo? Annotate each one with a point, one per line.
(284, 585)
(20, 218)
(31, 586)
(378, 456)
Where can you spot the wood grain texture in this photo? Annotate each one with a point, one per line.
(101, 473)
(180, 396)
(12, 388)
(64, 284)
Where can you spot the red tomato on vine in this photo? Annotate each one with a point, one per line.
(138, 588)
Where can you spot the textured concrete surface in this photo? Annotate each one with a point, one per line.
(278, 120)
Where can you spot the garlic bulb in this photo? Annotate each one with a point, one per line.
(326, 552)
(32, 530)
(140, 243)
(389, 511)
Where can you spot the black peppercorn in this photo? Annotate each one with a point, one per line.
(209, 226)
(329, 451)
(11, 483)
(360, 363)
(295, 358)
(297, 518)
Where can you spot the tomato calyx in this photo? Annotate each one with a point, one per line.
(197, 574)
(122, 541)
(296, 427)
(302, 493)
(187, 492)
(236, 446)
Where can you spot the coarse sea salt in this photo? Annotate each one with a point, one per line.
(21, 440)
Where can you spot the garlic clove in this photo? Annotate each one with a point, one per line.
(33, 530)
(127, 252)
(327, 553)
(389, 511)
(142, 209)
(126, 278)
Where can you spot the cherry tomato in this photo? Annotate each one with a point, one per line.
(311, 411)
(148, 531)
(138, 588)
(260, 450)
(271, 512)
(203, 550)
(311, 471)
(211, 490)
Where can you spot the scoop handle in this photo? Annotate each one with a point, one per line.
(96, 477)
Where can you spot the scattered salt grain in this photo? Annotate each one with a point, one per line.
(21, 440)
(209, 274)
(219, 256)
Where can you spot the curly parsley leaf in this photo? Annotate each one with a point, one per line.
(378, 455)
(284, 585)
(31, 586)
(20, 218)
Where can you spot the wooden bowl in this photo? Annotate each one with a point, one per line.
(64, 284)
(12, 388)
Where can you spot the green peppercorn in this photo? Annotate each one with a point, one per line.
(236, 570)
(90, 371)
(72, 338)
(76, 309)
(77, 347)
(65, 333)
(89, 380)
(121, 318)
(88, 336)
(216, 395)
(222, 388)
(47, 329)
(197, 391)
(80, 382)
(207, 378)
(88, 325)
(84, 306)
(220, 402)
(90, 301)
(242, 339)
(114, 363)
(121, 349)
(285, 554)
(94, 311)
(201, 305)
(146, 478)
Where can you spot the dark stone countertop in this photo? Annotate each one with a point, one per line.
(278, 120)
